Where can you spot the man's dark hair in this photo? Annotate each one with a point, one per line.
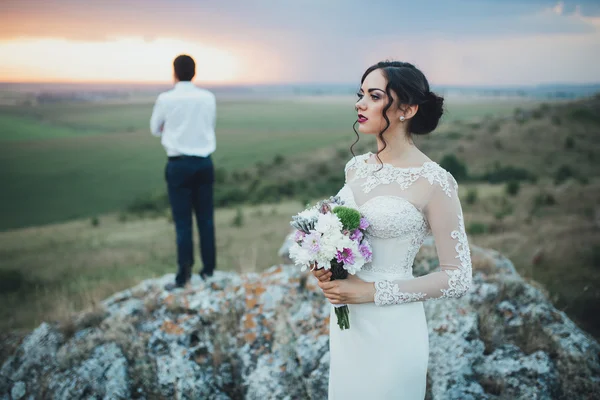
(185, 67)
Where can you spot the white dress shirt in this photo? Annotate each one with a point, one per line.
(185, 118)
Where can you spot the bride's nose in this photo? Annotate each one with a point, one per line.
(359, 105)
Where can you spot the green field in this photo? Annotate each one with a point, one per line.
(59, 162)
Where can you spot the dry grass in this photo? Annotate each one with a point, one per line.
(552, 248)
(73, 266)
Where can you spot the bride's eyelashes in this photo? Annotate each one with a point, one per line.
(374, 97)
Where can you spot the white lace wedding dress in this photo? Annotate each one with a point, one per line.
(384, 354)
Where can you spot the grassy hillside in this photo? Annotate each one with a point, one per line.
(65, 161)
(530, 189)
(49, 272)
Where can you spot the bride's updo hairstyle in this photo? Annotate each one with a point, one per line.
(411, 87)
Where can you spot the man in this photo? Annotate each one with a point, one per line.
(185, 118)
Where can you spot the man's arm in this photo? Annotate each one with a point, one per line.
(157, 121)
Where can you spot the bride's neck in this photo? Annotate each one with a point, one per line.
(397, 148)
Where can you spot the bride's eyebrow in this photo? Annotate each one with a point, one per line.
(371, 90)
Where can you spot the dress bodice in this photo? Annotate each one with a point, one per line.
(403, 206)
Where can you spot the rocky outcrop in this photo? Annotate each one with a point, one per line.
(265, 336)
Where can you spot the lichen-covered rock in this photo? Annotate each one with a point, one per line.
(265, 336)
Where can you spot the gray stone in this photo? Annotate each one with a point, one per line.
(18, 390)
(265, 335)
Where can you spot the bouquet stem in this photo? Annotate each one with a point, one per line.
(342, 312)
(343, 317)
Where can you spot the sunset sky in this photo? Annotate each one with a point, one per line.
(485, 42)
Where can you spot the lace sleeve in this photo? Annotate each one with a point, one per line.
(444, 214)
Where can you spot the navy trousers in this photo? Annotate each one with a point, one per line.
(190, 186)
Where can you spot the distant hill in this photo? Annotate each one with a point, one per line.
(102, 91)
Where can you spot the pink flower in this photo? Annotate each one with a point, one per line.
(364, 224)
(299, 236)
(357, 235)
(345, 256)
(312, 242)
(366, 252)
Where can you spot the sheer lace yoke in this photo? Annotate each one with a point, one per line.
(403, 205)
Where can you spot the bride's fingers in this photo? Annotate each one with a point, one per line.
(332, 297)
(325, 277)
(318, 273)
(327, 285)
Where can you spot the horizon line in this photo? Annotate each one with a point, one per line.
(291, 83)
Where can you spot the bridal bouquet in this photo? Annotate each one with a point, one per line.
(332, 236)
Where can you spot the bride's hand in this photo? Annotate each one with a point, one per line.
(351, 290)
(322, 275)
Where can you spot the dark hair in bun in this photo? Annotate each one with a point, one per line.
(428, 116)
(411, 87)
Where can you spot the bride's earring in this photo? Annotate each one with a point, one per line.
(402, 118)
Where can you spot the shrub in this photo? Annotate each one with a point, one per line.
(537, 114)
(556, 120)
(95, 221)
(454, 166)
(508, 173)
(238, 220)
(520, 116)
(584, 115)
(477, 228)
(563, 173)
(11, 280)
(471, 196)
(569, 142)
(543, 199)
(454, 135)
(229, 195)
(513, 187)
(220, 175)
(322, 168)
(343, 154)
(494, 128)
(149, 204)
(584, 180)
(594, 256)
(507, 209)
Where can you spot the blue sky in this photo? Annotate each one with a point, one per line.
(454, 42)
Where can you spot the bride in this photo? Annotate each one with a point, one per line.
(405, 196)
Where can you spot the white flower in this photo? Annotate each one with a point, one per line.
(300, 256)
(327, 223)
(309, 214)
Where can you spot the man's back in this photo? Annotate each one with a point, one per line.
(184, 119)
(187, 115)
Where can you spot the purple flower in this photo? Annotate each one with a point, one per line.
(357, 235)
(312, 242)
(345, 256)
(364, 224)
(324, 207)
(299, 236)
(366, 252)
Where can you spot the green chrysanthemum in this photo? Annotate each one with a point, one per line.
(350, 217)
